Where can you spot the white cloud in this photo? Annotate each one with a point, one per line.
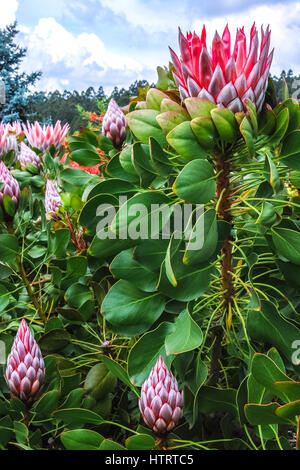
(8, 10)
(284, 24)
(76, 59)
(154, 16)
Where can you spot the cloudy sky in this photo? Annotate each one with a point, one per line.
(82, 43)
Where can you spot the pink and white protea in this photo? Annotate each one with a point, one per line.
(52, 200)
(8, 141)
(225, 76)
(15, 127)
(43, 137)
(114, 124)
(10, 186)
(28, 157)
(25, 369)
(161, 402)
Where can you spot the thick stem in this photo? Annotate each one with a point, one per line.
(25, 279)
(223, 170)
(224, 213)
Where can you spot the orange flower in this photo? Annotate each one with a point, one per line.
(94, 117)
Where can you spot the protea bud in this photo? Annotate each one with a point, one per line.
(114, 124)
(161, 402)
(25, 366)
(52, 200)
(28, 157)
(226, 77)
(10, 186)
(43, 137)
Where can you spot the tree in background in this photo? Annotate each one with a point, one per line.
(66, 106)
(19, 98)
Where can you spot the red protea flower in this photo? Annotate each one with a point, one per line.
(52, 200)
(161, 402)
(114, 124)
(25, 366)
(28, 156)
(227, 77)
(43, 137)
(10, 186)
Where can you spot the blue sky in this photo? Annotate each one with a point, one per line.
(82, 43)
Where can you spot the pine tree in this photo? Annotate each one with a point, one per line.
(17, 84)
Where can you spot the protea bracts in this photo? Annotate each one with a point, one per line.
(25, 366)
(114, 124)
(161, 402)
(52, 200)
(43, 137)
(10, 186)
(28, 158)
(8, 141)
(226, 77)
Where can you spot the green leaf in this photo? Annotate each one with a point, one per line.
(9, 249)
(196, 182)
(272, 173)
(199, 107)
(290, 150)
(4, 298)
(294, 113)
(225, 123)
(143, 124)
(107, 444)
(186, 336)
(86, 156)
(140, 442)
(290, 389)
(287, 243)
(77, 295)
(205, 131)
(154, 98)
(77, 416)
(146, 351)
(247, 132)
(119, 372)
(76, 176)
(212, 399)
(124, 266)
(54, 340)
(270, 327)
(81, 439)
(46, 404)
(290, 410)
(282, 123)
(21, 432)
(263, 414)
(169, 120)
(131, 311)
(184, 141)
(143, 216)
(266, 372)
(210, 239)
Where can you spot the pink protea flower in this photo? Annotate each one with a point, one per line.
(10, 185)
(161, 402)
(43, 137)
(114, 124)
(28, 156)
(14, 127)
(25, 365)
(8, 141)
(225, 76)
(52, 200)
